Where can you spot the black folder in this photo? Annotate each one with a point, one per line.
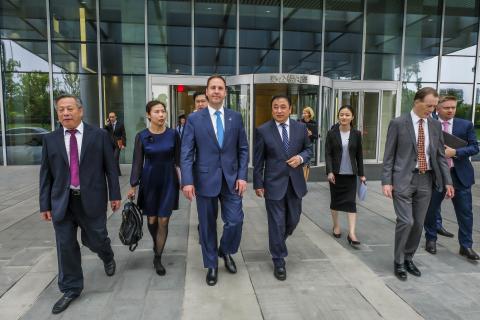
(452, 141)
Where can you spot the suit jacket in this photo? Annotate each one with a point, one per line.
(96, 165)
(117, 134)
(271, 172)
(204, 162)
(333, 151)
(463, 167)
(400, 157)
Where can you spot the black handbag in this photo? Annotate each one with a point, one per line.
(131, 228)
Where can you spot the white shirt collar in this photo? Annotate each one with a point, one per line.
(213, 110)
(286, 122)
(416, 118)
(79, 128)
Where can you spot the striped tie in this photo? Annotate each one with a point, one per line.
(285, 137)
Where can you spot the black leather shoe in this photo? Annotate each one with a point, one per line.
(157, 264)
(469, 253)
(280, 273)
(109, 267)
(400, 271)
(212, 275)
(229, 263)
(412, 268)
(62, 304)
(352, 242)
(431, 246)
(445, 233)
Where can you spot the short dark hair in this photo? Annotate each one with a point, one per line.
(77, 99)
(281, 96)
(447, 98)
(182, 116)
(216, 76)
(152, 104)
(196, 94)
(422, 93)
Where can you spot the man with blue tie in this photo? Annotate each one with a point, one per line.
(77, 162)
(281, 146)
(214, 165)
(462, 174)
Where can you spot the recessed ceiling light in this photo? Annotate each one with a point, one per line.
(209, 8)
(268, 11)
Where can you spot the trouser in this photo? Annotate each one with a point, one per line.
(283, 217)
(232, 216)
(116, 155)
(462, 203)
(93, 235)
(411, 207)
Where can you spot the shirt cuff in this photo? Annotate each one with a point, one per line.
(301, 159)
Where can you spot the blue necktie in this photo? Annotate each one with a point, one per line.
(285, 137)
(219, 128)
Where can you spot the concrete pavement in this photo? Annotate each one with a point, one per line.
(327, 279)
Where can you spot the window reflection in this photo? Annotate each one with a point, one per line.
(169, 37)
(302, 36)
(408, 93)
(259, 37)
(343, 39)
(23, 19)
(215, 37)
(122, 21)
(457, 69)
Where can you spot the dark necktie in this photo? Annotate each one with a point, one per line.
(74, 167)
(421, 158)
(285, 137)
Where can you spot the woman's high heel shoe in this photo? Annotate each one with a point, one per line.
(352, 242)
(336, 235)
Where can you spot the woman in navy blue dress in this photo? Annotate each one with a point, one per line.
(155, 169)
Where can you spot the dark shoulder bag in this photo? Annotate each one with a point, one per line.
(131, 228)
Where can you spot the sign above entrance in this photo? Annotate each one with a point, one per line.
(288, 78)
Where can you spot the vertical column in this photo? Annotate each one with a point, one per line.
(475, 77)
(192, 50)
(2, 118)
(237, 51)
(364, 32)
(280, 60)
(398, 106)
(440, 53)
(147, 75)
(50, 66)
(101, 105)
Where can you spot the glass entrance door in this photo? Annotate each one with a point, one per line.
(367, 105)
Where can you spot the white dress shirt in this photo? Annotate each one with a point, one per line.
(213, 117)
(415, 120)
(79, 136)
(280, 130)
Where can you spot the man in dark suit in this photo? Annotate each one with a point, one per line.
(214, 164)
(116, 129)
(77, 162)
(462, 174)
(281, 147)
(413, 164)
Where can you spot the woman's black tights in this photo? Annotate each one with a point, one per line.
(158, 228)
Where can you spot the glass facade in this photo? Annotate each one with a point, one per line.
(371, 54)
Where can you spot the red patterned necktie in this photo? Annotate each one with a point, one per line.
(421, 158)
(74, 167)
(445, 125)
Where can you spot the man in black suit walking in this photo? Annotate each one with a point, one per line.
(116, 129)
(77, 162)
(281, 146)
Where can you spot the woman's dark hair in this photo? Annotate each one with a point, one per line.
(346, 107)
(153, 103)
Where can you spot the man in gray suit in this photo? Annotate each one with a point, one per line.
(281, 146)
(413, 164)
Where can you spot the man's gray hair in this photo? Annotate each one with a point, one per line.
(78, 101)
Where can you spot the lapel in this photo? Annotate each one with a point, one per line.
(87, 137)
(60, 141)
(337, 135)
(430, 134)
(277, 137)
(455, 128)
(411, 130)
(227, 117)
(209, 125)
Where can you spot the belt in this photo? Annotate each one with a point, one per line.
(75, 192)
(420, 172)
